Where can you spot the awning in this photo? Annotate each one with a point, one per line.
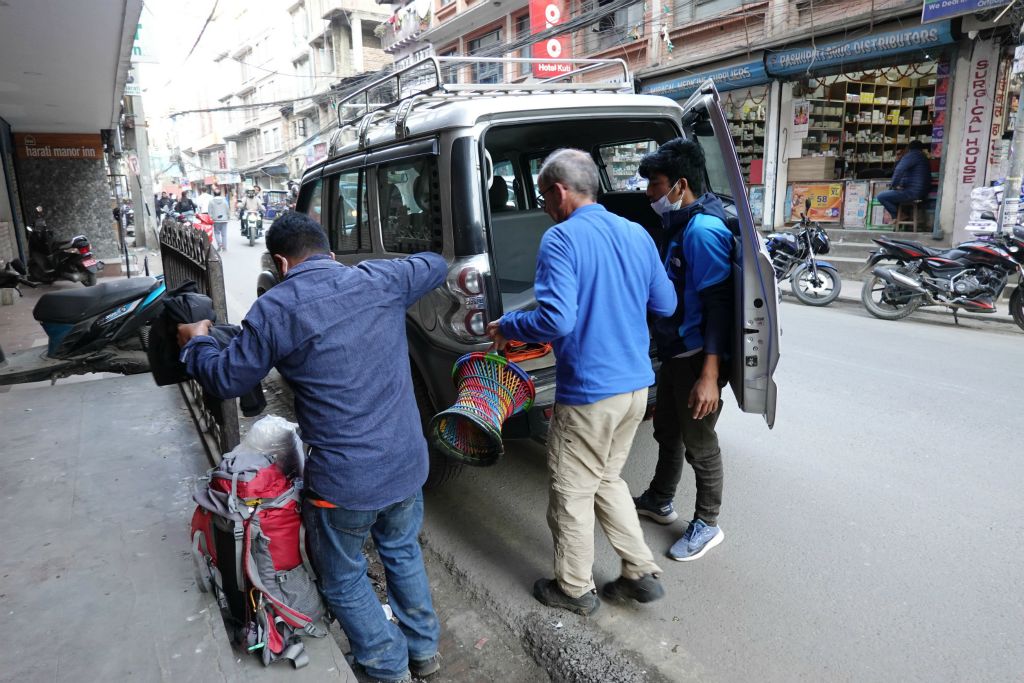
(276, 169)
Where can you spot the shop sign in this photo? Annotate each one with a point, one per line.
(937, 10)
(728, 78)
(142, 46)
(977, 126)
(826, 201)
(58, 146)
(546, 14)
(848, 52)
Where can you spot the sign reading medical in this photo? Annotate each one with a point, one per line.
(850, 52)
(58, 146)
(546, 14)
(727, 78)
(937, 10)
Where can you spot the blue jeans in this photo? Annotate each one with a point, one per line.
(220, 233)
(336, 537)
(891, 200)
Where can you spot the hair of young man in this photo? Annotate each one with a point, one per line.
(296, 236)
(573, 168)
(677, 159)
(915, 144)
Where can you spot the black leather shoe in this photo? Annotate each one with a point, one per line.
(548, 593)
(645, 589)
(421, 668)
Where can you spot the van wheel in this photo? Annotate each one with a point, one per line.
(442, 468)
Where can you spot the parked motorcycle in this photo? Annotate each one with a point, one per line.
(971, 276)
(100, 329)
(50, 260)
(252, 226)
(794, 255)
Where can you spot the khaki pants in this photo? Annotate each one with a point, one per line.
(587, 448)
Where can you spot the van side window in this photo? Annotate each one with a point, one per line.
(410, 212)
(621, 162)
(502, 194)
(350, 231)
(311, 198)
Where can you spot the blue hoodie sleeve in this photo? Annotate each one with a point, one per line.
(555, 289)
(707, 248)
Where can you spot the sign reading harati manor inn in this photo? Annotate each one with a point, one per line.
(58, 146)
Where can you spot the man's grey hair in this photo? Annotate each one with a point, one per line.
(574, 168)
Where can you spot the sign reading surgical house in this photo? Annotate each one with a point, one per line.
(546, 14)
(58, 146)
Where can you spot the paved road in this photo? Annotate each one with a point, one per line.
(241, 266)
(874, 534)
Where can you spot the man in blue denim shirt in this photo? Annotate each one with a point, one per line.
(337, 335)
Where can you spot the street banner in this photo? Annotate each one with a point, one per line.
(545, 14)
(82, 146)
(826, 201)
(937, 10)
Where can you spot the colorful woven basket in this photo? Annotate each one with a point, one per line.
(490, 390)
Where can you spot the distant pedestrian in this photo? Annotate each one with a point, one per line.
(164, 205)
(598, 276)
(911, 180)
(185, 204)
(693, 342)
(355, 405)
(203, 201)
(220, 212)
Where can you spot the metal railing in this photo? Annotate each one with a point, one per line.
(187, 254)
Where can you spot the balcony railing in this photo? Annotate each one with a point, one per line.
(402, 28)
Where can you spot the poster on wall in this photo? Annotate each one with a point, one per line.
(801, 118)
(826, 201)
(855, 203)
(755, 198)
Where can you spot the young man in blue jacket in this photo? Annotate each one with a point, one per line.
(355, 405)
(693, 342)
(598, 276)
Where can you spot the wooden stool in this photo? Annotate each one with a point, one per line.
(902, 223)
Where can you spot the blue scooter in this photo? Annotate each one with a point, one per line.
(104, 328)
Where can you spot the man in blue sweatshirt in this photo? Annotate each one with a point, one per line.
(692, 343)
(598, 275)
(911, 180)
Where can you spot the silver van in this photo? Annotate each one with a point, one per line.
(425, 161)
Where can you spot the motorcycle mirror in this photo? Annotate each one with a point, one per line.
(807, 204)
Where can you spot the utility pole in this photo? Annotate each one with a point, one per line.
(1009, 210)
(141, 182)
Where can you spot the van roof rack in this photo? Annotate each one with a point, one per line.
(436, 79)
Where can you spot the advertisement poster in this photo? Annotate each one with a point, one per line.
(826, 201)
(855, 204)
(755, 197)
(801, 118)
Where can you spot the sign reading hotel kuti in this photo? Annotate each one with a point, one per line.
(58, 146)
(849, 52)
(546, 14)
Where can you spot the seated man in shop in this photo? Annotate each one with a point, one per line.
(911, 180)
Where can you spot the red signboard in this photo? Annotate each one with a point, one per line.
(545, 14)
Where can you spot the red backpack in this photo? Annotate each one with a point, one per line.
(248, 545)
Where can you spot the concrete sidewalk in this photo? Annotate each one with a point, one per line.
(96, 578)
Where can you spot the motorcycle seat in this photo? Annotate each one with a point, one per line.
(920, 247)
(76, 305)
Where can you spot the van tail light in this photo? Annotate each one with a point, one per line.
(466, 285)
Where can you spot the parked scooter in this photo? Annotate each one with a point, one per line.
(252, 226)
(794, 255)
(50, 260)
(101, 329)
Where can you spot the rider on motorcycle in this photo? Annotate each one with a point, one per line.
(252, 203)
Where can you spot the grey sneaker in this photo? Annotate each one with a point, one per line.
(662, 514)
(422, 668)
(645, 589)
(698, 539)
(548, 593)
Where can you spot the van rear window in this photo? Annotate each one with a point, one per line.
(410, 211)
